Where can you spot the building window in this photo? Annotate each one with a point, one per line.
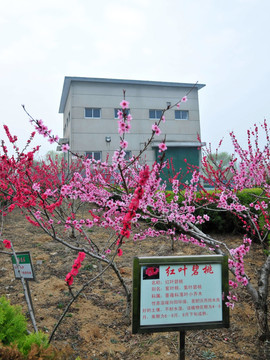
(93, 155)
(93, 113)
(128, 155)
(181, 114)
(116, 111)
(155, 114)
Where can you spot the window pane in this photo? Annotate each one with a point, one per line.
(96, 113)
(152, 114)
(181, 114)
(93, 155)
(155, 114)
(158, 114)
(184, 115)
(88, 112)
(97, 155)
(128, 155)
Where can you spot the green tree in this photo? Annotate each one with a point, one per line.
(54, 155)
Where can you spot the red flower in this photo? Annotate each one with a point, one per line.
(125, 233)
(151, 271)
(77, 264)
(74, 271)
(119, 252)
(7, 243)
(81, 256)
(69, 279)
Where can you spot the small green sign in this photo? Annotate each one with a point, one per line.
(26, 268)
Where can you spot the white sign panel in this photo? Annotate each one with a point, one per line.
(184, 293)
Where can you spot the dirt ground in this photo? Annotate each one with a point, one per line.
(96, 327)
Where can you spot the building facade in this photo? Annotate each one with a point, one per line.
(89, 107)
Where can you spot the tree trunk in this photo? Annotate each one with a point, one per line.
(262, 321)
(261, 301)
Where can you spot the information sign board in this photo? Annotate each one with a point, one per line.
(179, 293)
(26, 268)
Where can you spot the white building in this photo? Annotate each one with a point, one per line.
(89, 107)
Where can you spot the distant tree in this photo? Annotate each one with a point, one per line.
(219, 162)
(54, 155)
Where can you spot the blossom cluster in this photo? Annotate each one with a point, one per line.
(134, 204)
(7, 244)
(75, 268)
(43, 130)
(183, 100)
(124, 119)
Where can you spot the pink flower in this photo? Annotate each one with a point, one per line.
(36, 187)
(65, 147)
(156, 129)
(123, 144)
(124, 104)
(229, 304)
(7, 244)
(162, 147)
(120, 114)
(178, 106)
(233, 284)
(184, 99)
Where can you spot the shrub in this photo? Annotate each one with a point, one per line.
(220, 220)
(13, 324)
(39, 338)
(13, 329)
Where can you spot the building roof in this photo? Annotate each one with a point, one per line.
(69, 79)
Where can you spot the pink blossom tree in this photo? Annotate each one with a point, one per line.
(119, 196)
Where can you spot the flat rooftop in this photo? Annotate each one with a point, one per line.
(69, 79)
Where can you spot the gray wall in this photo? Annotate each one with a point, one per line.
(89, 134)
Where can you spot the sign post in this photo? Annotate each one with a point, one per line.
(179, 293)
(26, 270)
(182, 340)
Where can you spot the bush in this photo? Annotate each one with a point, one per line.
(13, 329)
(222, 221)
(227, 222)
(40, 339)
(13, 325)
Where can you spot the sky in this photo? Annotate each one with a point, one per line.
(223, 44)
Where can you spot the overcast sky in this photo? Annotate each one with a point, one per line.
(223, 44)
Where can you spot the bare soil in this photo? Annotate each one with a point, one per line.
(96, 326)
